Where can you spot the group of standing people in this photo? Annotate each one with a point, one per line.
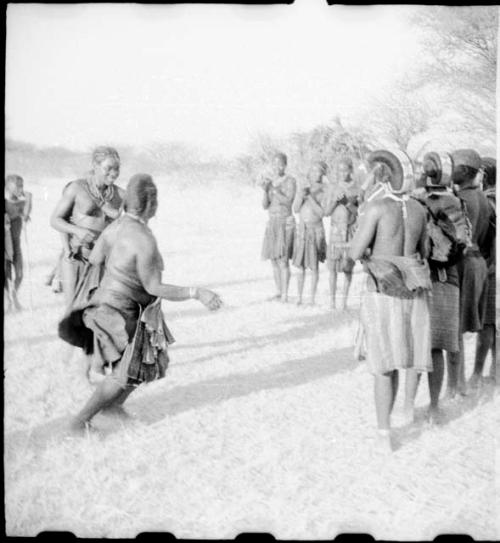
(304, 243)
(427, 246)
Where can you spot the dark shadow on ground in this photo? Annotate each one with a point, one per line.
(451, 410)
(303, 328)
(288, 374)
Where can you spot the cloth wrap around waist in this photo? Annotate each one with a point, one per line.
(81, 250)
(130, 337)
(398, 276)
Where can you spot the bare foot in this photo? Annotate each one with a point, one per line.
(274, 298)
(451, 394)
(435, 416)
(490, 380)
(474, 381)
(384, 441)
(408, 416)
(79, 427)
(116, 411)
(299, 301)
(284, 299)
(462, 390)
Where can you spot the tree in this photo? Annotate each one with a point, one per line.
(399, 117)
(461, 45)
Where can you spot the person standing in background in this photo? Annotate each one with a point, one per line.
(310, 242)
(341, 205)
(279, 193)
(18, 207)
(486, 338)
(472, 269)
(445, 208)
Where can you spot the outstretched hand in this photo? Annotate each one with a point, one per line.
(209, 299)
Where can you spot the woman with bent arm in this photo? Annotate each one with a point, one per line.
(86, 207)
(122, 322)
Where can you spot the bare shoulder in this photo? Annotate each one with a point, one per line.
(290, 181)
(73, 188)
(416, 205)
(418, 209)
(141, 236)
(377, 207)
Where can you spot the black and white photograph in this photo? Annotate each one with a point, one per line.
(250, 270)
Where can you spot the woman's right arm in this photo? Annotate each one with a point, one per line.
(149, 269)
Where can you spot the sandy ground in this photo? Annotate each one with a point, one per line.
(265, 422)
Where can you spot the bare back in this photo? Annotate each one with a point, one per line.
(383, 230)
(125, 241)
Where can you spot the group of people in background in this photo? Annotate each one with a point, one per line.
(305, 243)
(426, 243)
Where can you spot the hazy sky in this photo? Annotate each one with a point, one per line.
(213, 76)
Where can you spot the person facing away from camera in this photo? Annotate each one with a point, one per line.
(486, 338)
(86, 207)
(472, 269)
(447, 210)
(342, 206)
(122, 324)
(310, 243)
(18, 207)
(394, 304)
(279, 192)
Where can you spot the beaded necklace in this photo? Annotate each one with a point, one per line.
(99, 197)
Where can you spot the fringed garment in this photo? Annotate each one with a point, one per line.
(310, 245)
(342, 229)
(338, 245)
(120, 333)
(279, 238)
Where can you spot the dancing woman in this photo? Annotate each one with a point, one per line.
(122, 323)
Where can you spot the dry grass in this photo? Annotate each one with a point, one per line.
(265, 422)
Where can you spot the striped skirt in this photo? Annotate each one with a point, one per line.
(397, 332)
(444, 308)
